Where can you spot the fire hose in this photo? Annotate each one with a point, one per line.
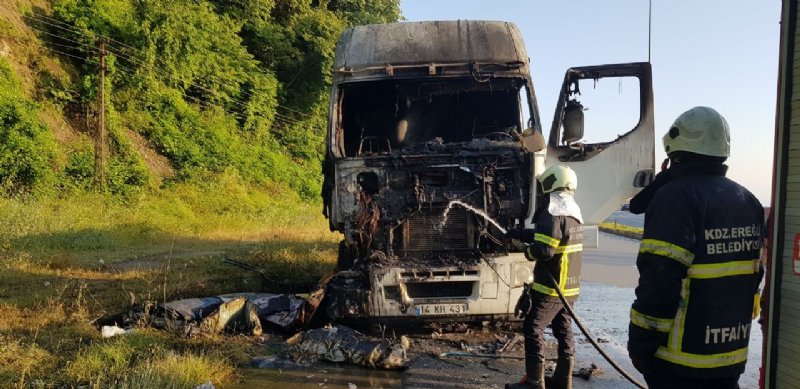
(589, 336)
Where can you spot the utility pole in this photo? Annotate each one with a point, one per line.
(100, 135)
(649, 28)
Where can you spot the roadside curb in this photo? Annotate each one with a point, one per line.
(623, 233)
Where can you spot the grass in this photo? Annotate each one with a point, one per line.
(66, 261)
(142, 358)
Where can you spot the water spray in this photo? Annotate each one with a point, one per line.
(471, 209)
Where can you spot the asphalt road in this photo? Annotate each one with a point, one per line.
(613, 262)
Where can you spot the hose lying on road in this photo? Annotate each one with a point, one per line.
(590, 337)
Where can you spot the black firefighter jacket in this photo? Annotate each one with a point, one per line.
(699, 274)
(556, 248)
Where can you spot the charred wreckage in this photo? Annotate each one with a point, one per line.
(433, 141)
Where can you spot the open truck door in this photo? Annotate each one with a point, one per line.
(612, 154)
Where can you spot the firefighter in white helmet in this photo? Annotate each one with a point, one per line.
(555, 245)
(698, 262)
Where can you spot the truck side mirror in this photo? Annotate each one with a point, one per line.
(643, 178)
(533, 140)
(573, 122)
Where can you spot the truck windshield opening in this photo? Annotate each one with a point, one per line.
(383, 116)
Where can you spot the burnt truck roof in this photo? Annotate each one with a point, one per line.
(365, 50)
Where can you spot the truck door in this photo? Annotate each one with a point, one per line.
(613, 152)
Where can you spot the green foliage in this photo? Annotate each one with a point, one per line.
(213, 85)
(79, 170)
(55, 88)
(26, 147)
(125, 177)
(126, 172)
(358, 12)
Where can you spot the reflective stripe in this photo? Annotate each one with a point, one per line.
(666, 249)
(756, 305)
(552, 292)
(573, 248)
(675, 339)
(702, 361)
(651, 323)
(718, 270)
(548, 240)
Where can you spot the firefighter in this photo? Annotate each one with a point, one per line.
(555, 244)
(698, 262)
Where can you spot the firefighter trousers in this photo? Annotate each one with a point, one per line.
(657, 379)
(546, 311)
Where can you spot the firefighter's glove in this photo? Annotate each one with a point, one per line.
(524, 235)
(525, 302)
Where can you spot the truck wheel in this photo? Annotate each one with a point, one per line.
(346, 258)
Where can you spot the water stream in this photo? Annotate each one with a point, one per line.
(468, 208)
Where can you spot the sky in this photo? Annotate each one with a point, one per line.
(717, 53)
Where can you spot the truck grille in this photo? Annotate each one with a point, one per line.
(423, 233)
(439, 289)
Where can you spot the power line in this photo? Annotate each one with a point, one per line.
(284, 119)
(84, 46)
(63, 53)
(57, 23)
(49, 43)
(205, 104)
(43, 21)
(61, 37)
(241, 103)
(60, 25)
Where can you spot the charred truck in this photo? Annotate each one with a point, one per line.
(434, 142)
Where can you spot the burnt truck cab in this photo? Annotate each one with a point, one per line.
(434, 140)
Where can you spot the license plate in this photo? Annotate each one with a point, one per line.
(441, 309)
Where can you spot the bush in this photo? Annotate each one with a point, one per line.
(212, 85)
(27, 149)
(79, 171)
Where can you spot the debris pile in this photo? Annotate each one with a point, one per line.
(343, 344)
(240, 313)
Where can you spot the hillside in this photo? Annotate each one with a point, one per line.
(215, 112)
(192, 89)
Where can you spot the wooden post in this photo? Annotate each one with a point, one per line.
(101, 136)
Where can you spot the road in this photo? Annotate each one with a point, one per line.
(613, 262)
(608, 276)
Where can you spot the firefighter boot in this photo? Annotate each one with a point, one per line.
(535, 378)
(562, 376)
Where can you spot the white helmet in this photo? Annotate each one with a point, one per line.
(558, 176)
(700, 130)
